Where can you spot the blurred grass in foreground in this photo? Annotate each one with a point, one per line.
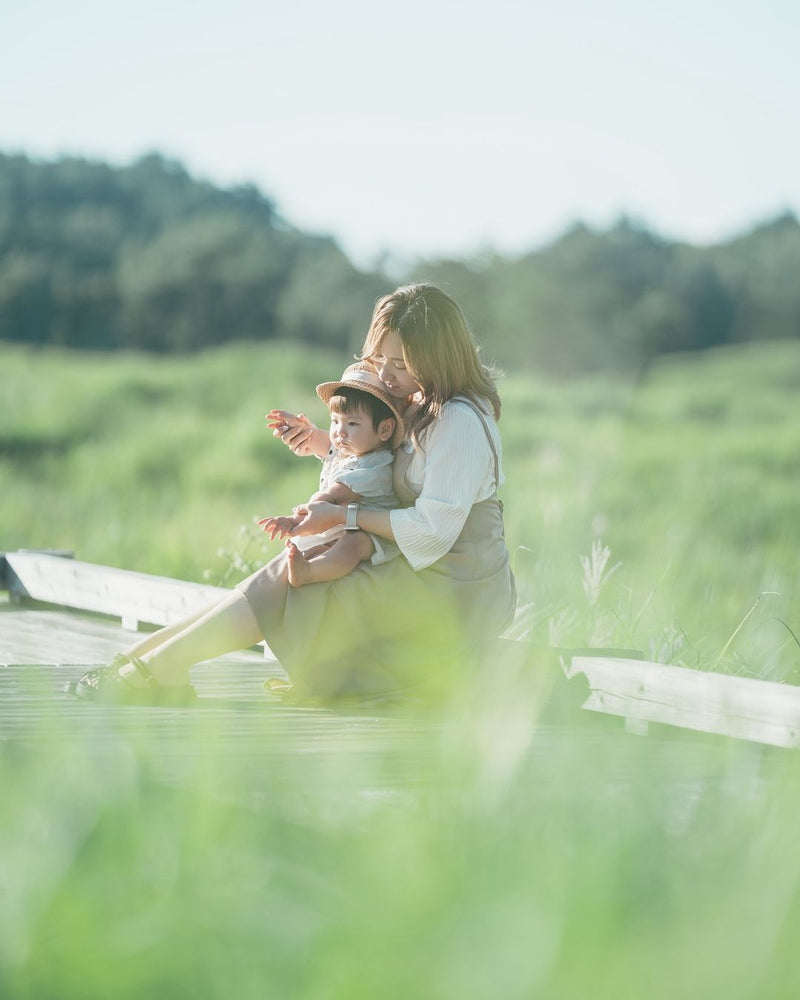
(492, 852)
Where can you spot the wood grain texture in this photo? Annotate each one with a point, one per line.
(643, 692)
(131, 597)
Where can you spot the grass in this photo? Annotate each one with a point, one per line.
(506, 849)
(689, 477)
(498, 853)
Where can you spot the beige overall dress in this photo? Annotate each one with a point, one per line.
(389, 629)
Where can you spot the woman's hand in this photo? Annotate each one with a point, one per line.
(317, 516)
(296, 431)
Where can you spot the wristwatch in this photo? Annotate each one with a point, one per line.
(351, 518)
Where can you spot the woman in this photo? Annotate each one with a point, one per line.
(388, 627)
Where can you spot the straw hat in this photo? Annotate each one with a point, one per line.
(360, 376)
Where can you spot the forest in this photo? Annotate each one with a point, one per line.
(146, 257)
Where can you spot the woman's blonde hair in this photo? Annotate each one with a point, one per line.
(439, 349)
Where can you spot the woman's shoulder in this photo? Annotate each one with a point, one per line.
(461, 411)
(460, 418)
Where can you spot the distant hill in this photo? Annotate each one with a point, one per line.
(147, 257)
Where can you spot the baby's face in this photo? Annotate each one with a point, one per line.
(353, 433)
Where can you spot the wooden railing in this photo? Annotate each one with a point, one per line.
(132, 597)
(643, 692)
(638, 691)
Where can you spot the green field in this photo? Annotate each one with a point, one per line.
(689, 478)
(509, 848)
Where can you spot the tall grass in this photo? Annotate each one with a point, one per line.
(689, 477)
(505, 848)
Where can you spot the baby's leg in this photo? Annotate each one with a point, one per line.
(334, 562)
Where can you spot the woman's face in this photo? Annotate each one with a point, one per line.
(392, 370)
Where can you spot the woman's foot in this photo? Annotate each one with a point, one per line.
(131, 684)
(299, 567)
(119, 660)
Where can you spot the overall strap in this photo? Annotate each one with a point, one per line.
(482, 418)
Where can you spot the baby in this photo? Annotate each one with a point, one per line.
(366, 427)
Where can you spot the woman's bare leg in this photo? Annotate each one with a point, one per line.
(154, 639)
(226, 627)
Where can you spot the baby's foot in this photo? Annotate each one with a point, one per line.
(299, 569)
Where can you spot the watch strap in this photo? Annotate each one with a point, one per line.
(351, 518)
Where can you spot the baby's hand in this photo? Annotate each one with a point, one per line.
(278, 527)
(296, 431)
(280, 421)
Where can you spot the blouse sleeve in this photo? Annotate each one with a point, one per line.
(459, 471)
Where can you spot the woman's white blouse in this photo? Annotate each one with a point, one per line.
(453, 469)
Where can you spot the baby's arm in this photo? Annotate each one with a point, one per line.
(339, 494)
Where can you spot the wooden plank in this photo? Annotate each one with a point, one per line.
(60, 637)
(132, 597)
(36, 636)
(643, 692)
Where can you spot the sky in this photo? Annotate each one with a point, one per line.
(427, 128)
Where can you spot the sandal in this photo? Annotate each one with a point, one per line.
(119, 660)
(105, 684)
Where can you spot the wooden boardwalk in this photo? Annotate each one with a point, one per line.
(238, 737)
(62, 615)
(240, 748)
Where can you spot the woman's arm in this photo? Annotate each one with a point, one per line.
(338, 495)
(319, 516)
(458, 472)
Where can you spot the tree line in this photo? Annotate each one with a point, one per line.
(147, 257)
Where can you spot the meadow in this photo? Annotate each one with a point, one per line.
(658, 514)
(505, 848)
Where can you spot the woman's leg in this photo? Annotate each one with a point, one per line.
(224, 628)
(154, 639)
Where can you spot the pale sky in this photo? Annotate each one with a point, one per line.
(429, 127)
